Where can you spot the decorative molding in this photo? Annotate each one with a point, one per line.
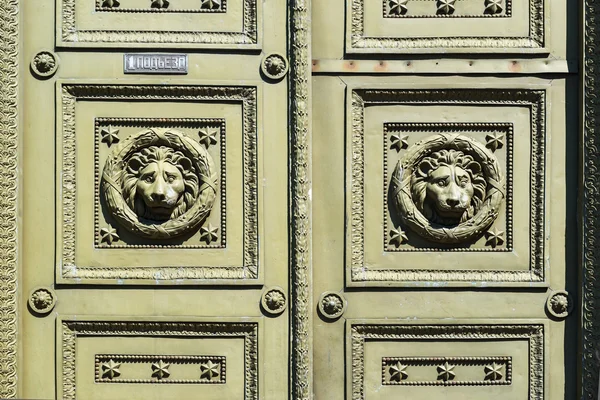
(9, 188)
(392, 374)
(589, 153)
(104, 124)
(71, 331)
(535, 100)
(331, 305)
(222, 8)
(359, 42)
(42, 300)
(70, 93)
(44, 64)
(361, 333)
(70, 34)
(400, 9)
(300, 181)
(392, 129)
(273, 301)
(218, 364)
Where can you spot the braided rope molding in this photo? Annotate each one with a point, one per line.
(300, 213)
(70, 330)
(246, 96)
(9, 129)
(590, 207)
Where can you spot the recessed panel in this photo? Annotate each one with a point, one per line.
(132, 357)
(146, 23)
(491, 359)
(399, 26)
(157, 183)
(446, 186)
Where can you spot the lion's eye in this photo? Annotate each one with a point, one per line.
(170, 178)
(148, 178)
(441, 182)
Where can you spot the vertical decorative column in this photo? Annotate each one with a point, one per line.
(300, 213)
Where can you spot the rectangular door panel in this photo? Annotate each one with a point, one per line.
(168, 358)
(491, 359)
(148, 23)
(397, 225)
(105, 131)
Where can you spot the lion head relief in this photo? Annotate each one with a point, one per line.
(159, 183)
(448, 187)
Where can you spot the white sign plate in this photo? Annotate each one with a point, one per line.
(153, 63)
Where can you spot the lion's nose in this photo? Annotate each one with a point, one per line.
(158, 196)
(452, 202)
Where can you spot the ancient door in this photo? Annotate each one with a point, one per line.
(444, 156)
(154, 260)
(349, 199)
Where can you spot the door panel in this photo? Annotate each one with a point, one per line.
(148, 23)
(411, 300)
(155, 221)
(122, 119)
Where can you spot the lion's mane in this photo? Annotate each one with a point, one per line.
(422, 175)
(152, 154)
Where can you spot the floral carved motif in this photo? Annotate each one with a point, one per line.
(159, 183)
(448, 188)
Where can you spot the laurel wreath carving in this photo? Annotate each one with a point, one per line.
(202, 164)
(410, 214)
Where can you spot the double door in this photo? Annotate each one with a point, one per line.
(259, 200)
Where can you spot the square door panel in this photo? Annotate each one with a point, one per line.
(446, 186)
(424, 359)
(400, 26)
(157, 183)
(148, 23)
(126, 357)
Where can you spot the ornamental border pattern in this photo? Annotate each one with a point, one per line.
(428, 361)
(362, 98)
(149, 359)
(172, 123)
(71, 330)
(220, 10)
(590, 205)
(71, 34)
(388, 14)
(300, 183)
(360, 42)
(73, 92)
(9, 197)
(360, 333)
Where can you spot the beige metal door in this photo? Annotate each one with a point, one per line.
(444, 200)
(154, 259)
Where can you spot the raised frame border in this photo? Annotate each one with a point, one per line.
(357, 42)
(69, 328)
(360, 98)
(68, 35)
(10, 195)
(68, 93)
(464, 128)
(173, 123)
(358, 332)
(589, 203)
